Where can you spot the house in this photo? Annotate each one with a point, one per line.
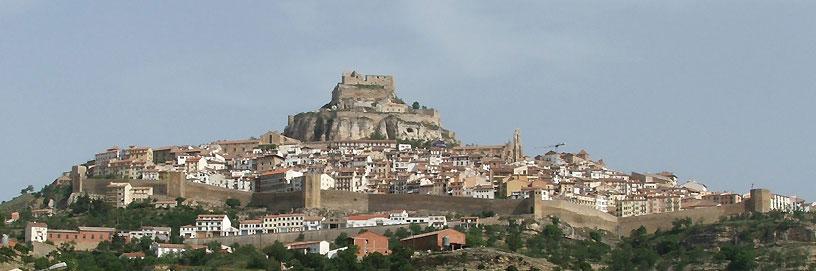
(154, 233)
(83, 238)
(237, 147)
(280, 180)
(283, 223)
(368, 220)
(165, 204)
(36, 232)
(144, 154)
(312, 223)
(7, 242)
(187, 231)
(442, 240)
(118, 194)
(724, 198)
(251, 226)
(37, 213)
(14, 217)
(370, 242)
(213, 225)
(315, 247)
(468, 222)
(268, 162)
(483, 192)
(161, 249)
(121, 195)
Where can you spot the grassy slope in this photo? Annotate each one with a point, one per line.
(17, 203)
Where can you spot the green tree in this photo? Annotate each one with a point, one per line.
(415, 105)
(342, 240)
(474, 237)
(278, 252)
(513, 239)
(739, 257)
(233, 203)
(415, 228)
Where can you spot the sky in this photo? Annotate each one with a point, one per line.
(721, 92)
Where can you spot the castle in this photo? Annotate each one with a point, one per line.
(367, 107)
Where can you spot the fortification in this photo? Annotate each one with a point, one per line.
(77, 176)
(311, 191)
(760, 201)
(363, 107)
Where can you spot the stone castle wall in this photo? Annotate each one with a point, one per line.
(278, 202)
(354, 78)
(577, 215)
(172, 188)
(464, 205)
(663, 221)
(573, 214)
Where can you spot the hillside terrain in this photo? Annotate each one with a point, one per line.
(772, 241)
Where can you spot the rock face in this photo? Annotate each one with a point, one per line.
(366, 107)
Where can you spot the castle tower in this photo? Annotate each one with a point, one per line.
(77, 178)
(760, 201)
(311, 190)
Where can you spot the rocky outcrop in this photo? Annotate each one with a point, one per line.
(366, 107)
(326, 125)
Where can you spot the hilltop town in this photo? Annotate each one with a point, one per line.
(352, 174)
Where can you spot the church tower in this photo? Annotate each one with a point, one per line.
(514, 151)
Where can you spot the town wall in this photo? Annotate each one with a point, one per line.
(344, 200)
(663, 221)
(213, 194)
(172, 188)
(97, 186)
(279, 202)
(577, 215)
(386, 202)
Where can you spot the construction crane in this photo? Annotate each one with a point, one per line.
(554, 147)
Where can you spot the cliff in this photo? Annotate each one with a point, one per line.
(366, 107)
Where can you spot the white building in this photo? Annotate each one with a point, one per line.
(369, 220)
(215, 225)
(154, 233)
(160, 249)
(483, 192)
(187, 231)
(315, 247)
(283, 223)
(313, 223)
(251, 227)
(36, 232)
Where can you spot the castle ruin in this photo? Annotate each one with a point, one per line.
(367, 107)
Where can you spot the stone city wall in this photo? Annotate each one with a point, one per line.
(278, 202)
(663, 221)
(172, 188)
(464, 205)
(577, 215)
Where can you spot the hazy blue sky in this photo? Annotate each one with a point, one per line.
(721, 92)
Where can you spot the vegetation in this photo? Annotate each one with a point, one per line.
(376, 135)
